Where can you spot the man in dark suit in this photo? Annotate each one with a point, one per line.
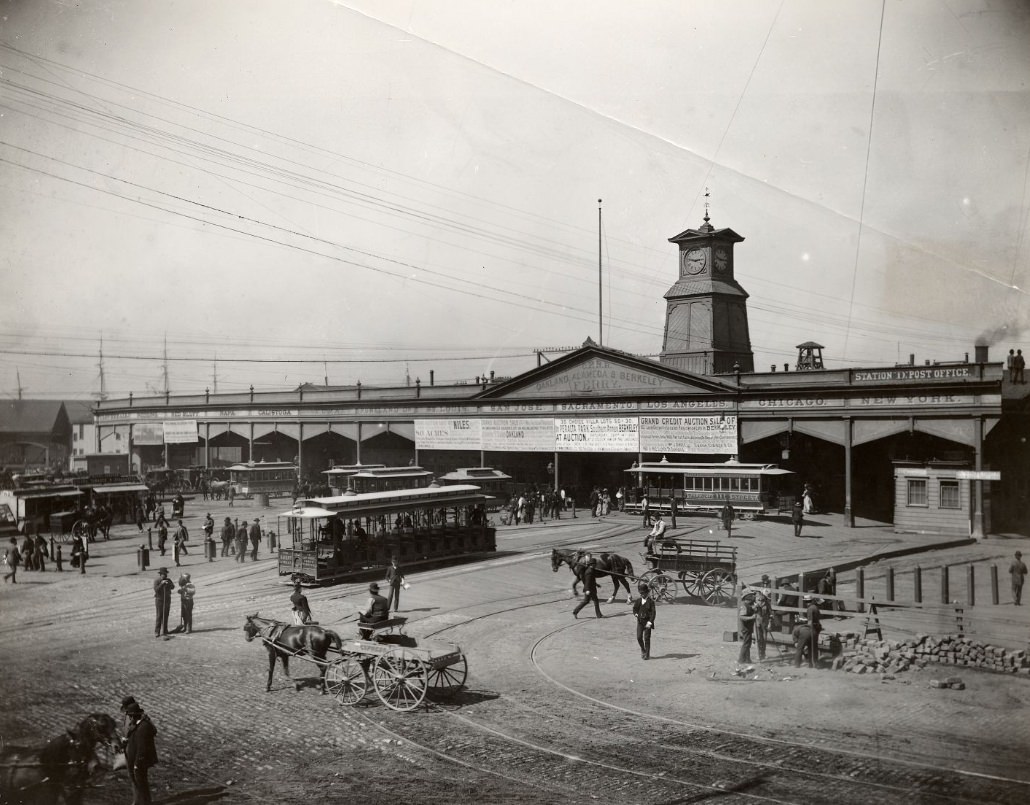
(395, 579)
(376, 610)
(644, 611)
(163, 587)
(140, 752)
(589, 588)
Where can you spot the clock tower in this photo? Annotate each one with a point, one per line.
(706, 330)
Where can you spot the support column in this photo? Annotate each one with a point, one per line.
(207, 445)
(554, 478)
(978, 485)
(357, 448)
(482, 458)
(300, 450)
(250, 443)
(849, 431)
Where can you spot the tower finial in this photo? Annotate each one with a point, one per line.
(707, 195)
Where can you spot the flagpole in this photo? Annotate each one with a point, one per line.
(600, 300)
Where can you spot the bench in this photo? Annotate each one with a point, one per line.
(383, 627)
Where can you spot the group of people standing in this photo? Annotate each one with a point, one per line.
(235, 535)
(164, 588)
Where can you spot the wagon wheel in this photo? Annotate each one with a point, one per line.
(346, 680)
(400, 679)
(663, 587)
(80, 529)
(445, 682)
(691, 581)
(717, 586)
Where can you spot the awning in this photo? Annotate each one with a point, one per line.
(114, 489)
(308, 511)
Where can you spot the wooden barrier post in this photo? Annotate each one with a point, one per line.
(917, 582)
(890, 583)
(860, 587)
(945, 595)
(971, 585)
(994, 584)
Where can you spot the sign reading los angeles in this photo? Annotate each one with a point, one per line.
(688, 434)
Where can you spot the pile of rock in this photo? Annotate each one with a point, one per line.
(871, 656)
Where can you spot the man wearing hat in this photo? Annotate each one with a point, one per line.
(163, 587)
(376, 610)
(255, 538)
(589, 580)
(395, 578)
(301, 608)
(814, 616)
(657, 533)
(140, 751)
(187, 591)
(1018, 572)
(804, 644)
(241, 541)
(228, 535)
(644, 611)
(746, 625)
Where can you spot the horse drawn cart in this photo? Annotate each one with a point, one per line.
(705, 569)
(401, 670)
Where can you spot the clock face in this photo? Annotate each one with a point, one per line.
(694, 261)
(722, 259)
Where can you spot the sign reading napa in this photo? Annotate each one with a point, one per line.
(597, 435)
(688, 434)
(455, 433)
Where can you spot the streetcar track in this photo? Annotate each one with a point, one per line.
(776, 767)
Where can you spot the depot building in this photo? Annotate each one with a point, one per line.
(938, 447)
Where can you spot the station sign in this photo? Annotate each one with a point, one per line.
(978, 475)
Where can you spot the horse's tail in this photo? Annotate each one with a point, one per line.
(627, 567)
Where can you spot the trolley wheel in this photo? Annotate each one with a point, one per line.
(663, 587)
(346, 680)
(691, 581)
(718, 586)
(400, 679)
(447, 681)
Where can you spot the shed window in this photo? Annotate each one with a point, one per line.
(949, 495)
(917, 492)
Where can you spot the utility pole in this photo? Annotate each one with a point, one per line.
(165, 365)
(214, 374)
(103, 384)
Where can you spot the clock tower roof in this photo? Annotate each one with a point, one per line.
(707, 233)
(695, 286)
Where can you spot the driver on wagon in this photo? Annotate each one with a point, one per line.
(376, 610)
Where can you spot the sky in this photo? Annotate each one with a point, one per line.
(218, 195)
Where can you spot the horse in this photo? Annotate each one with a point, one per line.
(218, 489)
(60, 769)
(606, 564)
(285, 641)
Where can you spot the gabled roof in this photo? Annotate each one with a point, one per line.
(599, 372)
(80, 412)
(32, 416)
(706, 231)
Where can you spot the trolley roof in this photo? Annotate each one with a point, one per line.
(264, 465)
(723, 469)
(472, 473)
(395, 500)
(351, 469)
